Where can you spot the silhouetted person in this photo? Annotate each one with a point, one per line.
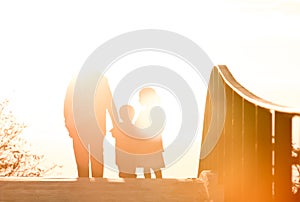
(103, 102)
(125, 144)
(151, 157)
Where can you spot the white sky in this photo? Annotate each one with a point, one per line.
(42, 45)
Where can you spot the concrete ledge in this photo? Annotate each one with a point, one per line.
(98, 189)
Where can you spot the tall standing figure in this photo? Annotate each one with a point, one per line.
(103, 103)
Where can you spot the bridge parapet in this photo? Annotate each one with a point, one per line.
(252, 153)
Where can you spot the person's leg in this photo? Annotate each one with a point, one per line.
(159, 163)
(82, 158)
(158, 174)
(132, 175)
(126, 164)
(122, 175)
(126, 175)
(147, 173)
(97, 168)
(96, 156)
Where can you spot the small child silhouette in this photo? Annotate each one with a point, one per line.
(139, 147)
(124, 144)
(153, 158)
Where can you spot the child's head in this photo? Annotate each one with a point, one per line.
(148, 97)
(126, 113)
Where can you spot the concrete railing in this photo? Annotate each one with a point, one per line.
(100, 189)
(252, 151)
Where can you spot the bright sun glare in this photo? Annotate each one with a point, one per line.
(42, 48)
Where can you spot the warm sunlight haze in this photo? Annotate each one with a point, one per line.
(42, 49)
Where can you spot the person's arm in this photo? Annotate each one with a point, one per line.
(111, 107)
(104, 102)
(68, 108)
